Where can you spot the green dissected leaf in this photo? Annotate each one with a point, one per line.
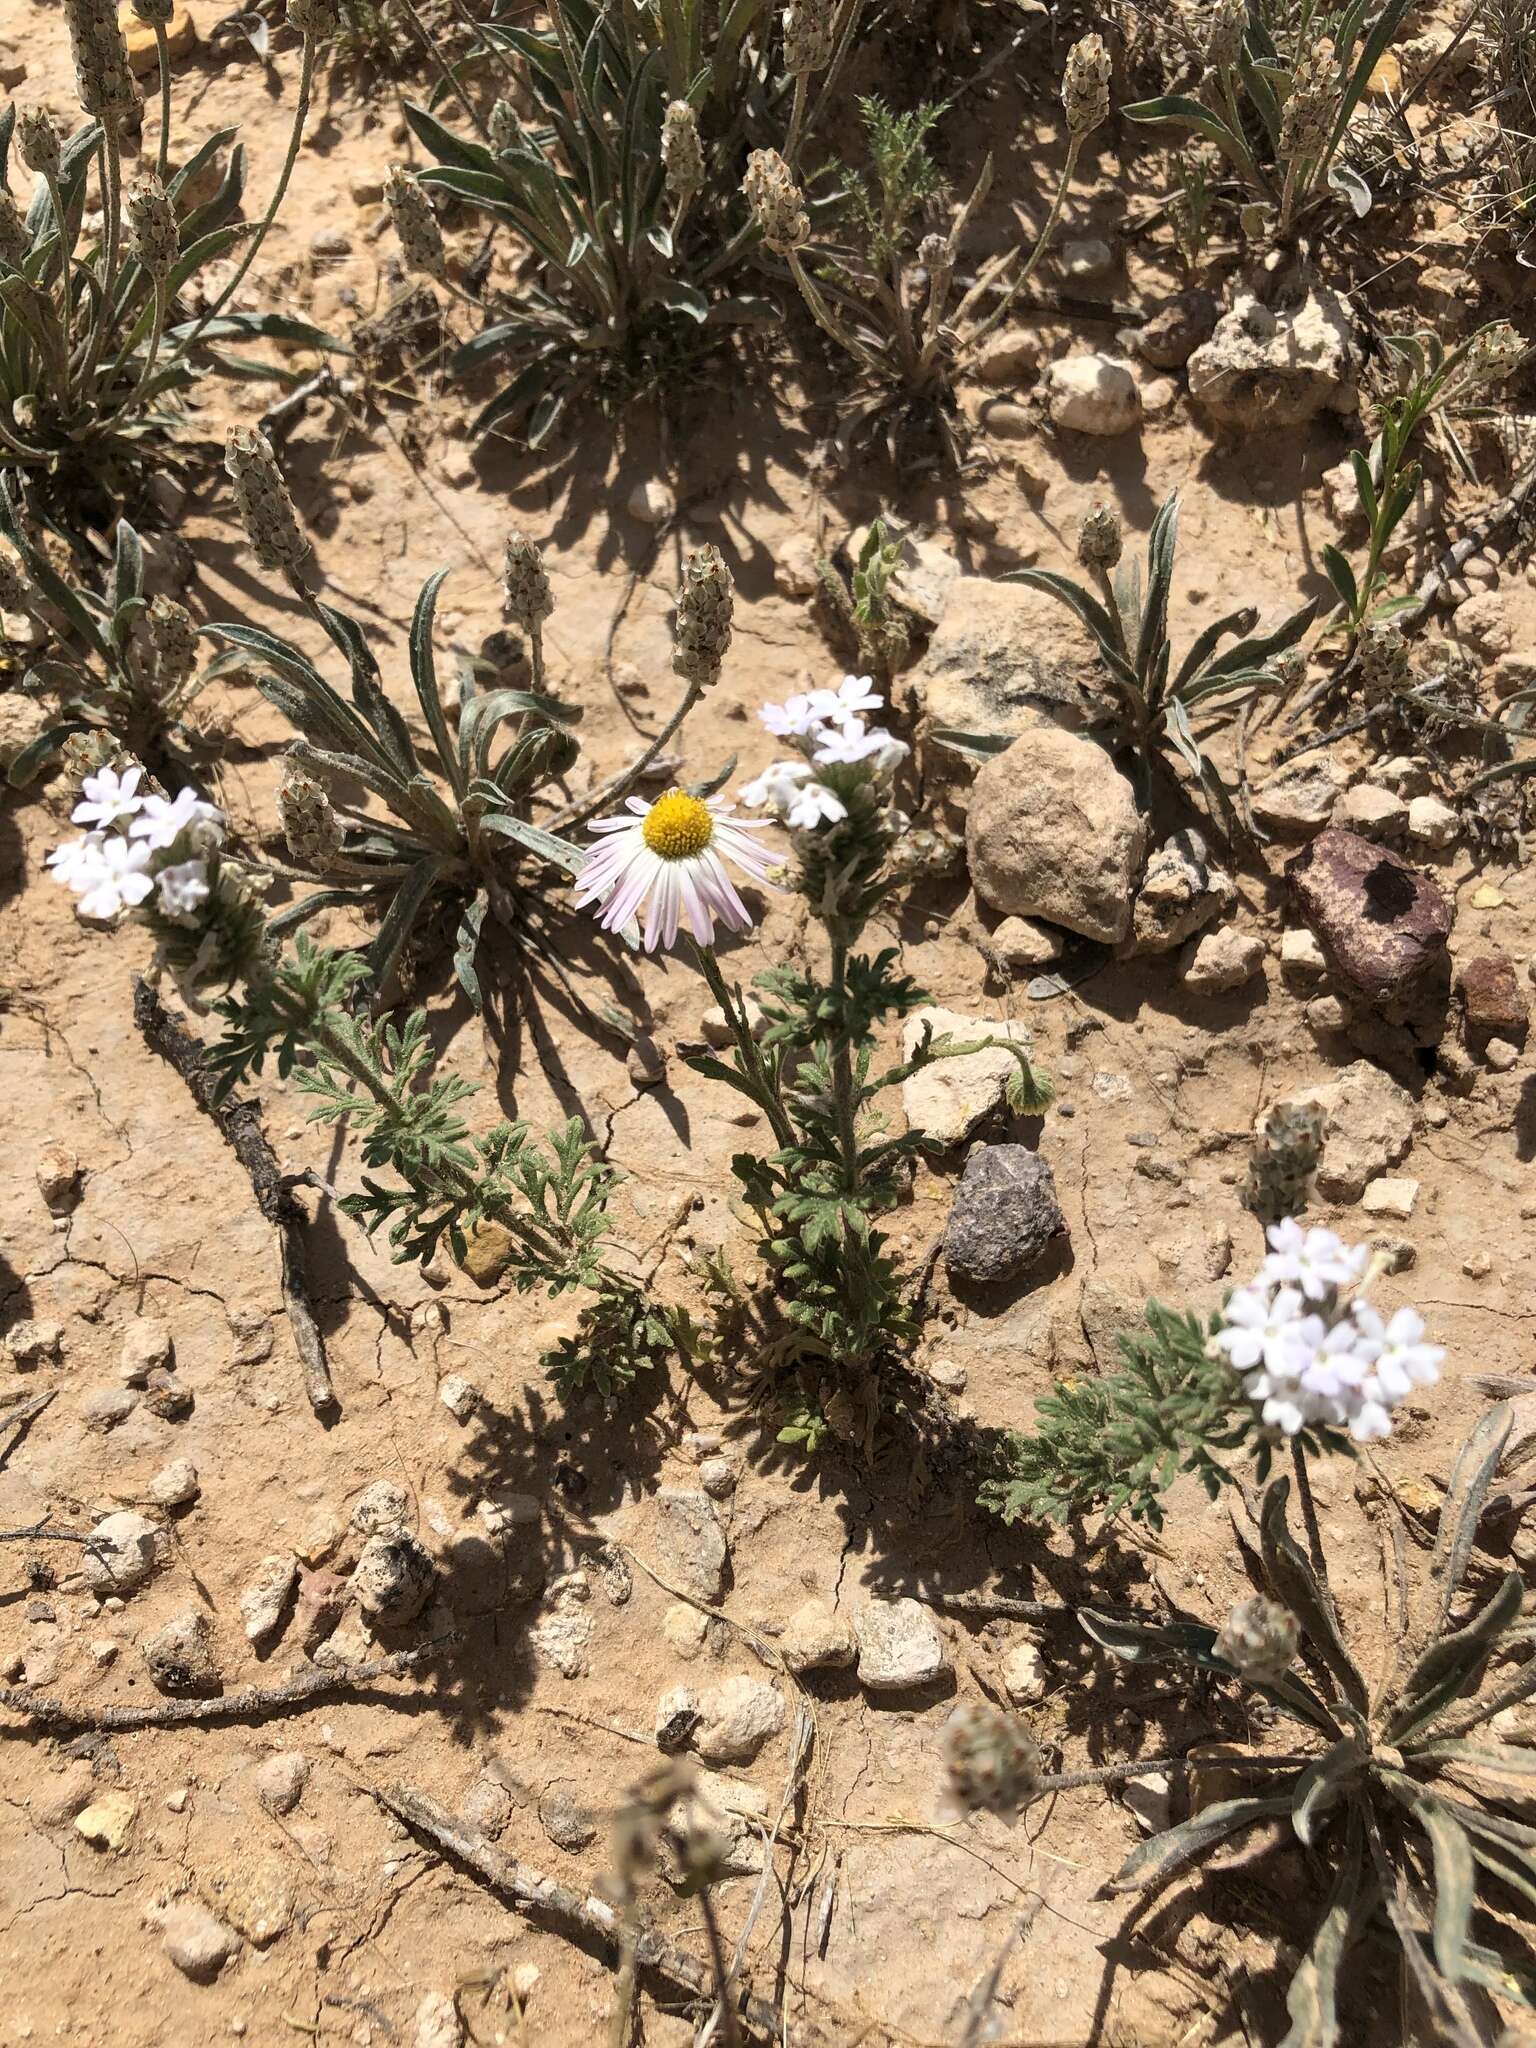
(1160, 1856)
(1311, 2000)
(1454, 1885)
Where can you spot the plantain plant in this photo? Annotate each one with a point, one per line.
(1404, 1801)
(99, 344)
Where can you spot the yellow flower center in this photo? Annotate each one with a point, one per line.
(677, 826)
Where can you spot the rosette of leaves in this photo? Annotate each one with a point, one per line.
(96, 348)
(455, 831)
(1289, 170)
(1405, 1802)
(549, 1195)
(1158, 712)
(105, 673)
(631, 279)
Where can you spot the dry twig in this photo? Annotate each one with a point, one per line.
(240, 1125)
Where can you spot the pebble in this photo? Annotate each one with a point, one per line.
(381, 1508)
(736, 1718)
(330, 243)
(175, 1485)
(563, 1818)
(488, 1804)
(251, 1329)
(677, 1715)
(1025, 1675)
(717, 1032)
(685, 1628)
(1011, 357)
(1501, 1055)
(1150, 1800)
(58, 1178)
(124, 1551)
(1086, 258)
(196, 1942)
(108, 1821)
(265, 1595)
(899, 1646)
(1221, 961)
(180, 1655)
(945, 1373)
(1376, 813)
(1478, 1266)
(437, 2022)
(458, 1396)
(1301, 957)
(32, 1343)
(143, 47)
(279, 1780)
(72, 1789)
(392, 1579)
(1392, 1196)
(107, 1407)
(1431, 822)
(717, 1476)
(646, 1063)
(816, 1638)
(690, 1544)
(1090, 394)
(1004, 1216)
(651, 503)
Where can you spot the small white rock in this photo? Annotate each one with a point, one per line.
(1089, 394)
(1390, 1196)
(1024, 1675)
(899, 1646)
(1501, 1055)
(381, 1508)
(174, 1485)
(651, 503)
(1301, 957)
(1373, 812)
(717, 1032)
(266, 1595)
(1223, 960)
(1431, 822)
(458, 1396)
(279, 1780)
(437, 2022)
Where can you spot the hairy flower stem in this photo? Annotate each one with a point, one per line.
(746, 1047)
(295, 137)
(66, 255)
(842, 1080)
(163, 54)
(985, 327)
(626, 778)
(109, 169)
(1309, 1515)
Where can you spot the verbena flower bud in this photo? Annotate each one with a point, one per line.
(174, 638)
(1305, 118)
(1224, 36)
(154, 10)
(503, 127)
(15, 590)
(526, 582)
(809, 35)
(1259, 1640)
(1386, 666)
(309, 823)
(776, 202)
(1493, 353)
(1283, 1161)
(261, 497)
(703, 628)
(1099, 539)
(102, 74)
(153, 238)
(937, 257)
(421, 239)
(315, 19)
(14, 239)
(992, 1759)
(1085, 87)
(37, 142)
(682, 153)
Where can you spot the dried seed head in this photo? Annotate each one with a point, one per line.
(153, 239)
(776, 202)
(937, 257)
(1259, 1640)
(37, 142)
(1386, 667)
(1099, 538)
(261, 498)
(992, 1759)
(526, 582)
(1085, 87)
(314, 19)
(174, 638)
(503, 127)
(1224, 34)
(421, 239)
(1493, 353)
(702, 631)
(809, 34)
(309, 824)
(14, 239)
(102, 75)
(681, 151)
(1283, 1161)
(15, 590)
(1308, 108)
(154, 10)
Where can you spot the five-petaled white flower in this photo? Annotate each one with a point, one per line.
(121, 878)
(1401, 1360)
(797, 716)
(1316, 1261)
(183, 888)
(162, 820)
(666, 859)
(109, 797)
(77, 862)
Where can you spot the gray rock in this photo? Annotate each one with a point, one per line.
(175, 1485)
(146, 1346)
(1090, 394)
(1175, 327)
(717, 1476)
(392, 1580)
(690, 1544)
(1054, 831)
(265, 1595)
(458, 1396)
(488, 1803)
(197, 1943)
(1025, 1675)
(279, 1780)
(57, 1172)
(563, 1818)
(1009, 357)
(32, 1343)
(1431, 822)
(105, 1407)
(180, 1654)
(1004, 1215)
(437, 2022)
(1262, 369)
(124, 1550)
(1369, 1128)
(1297, 801)
(899, 1646)
(816, 1638)
(380, 1509)
(736, 1718)
(1019, 945)
(1222, 961)
(954, 1097)
(1182, 890)
(999, 661)
(1377, 813)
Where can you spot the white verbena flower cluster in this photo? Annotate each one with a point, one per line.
(138, 846)
(832, 737)
(1309, 1346)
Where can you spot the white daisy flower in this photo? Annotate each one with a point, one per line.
(667, 859)
(120, 880)
(109, 797)
(162, 820)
